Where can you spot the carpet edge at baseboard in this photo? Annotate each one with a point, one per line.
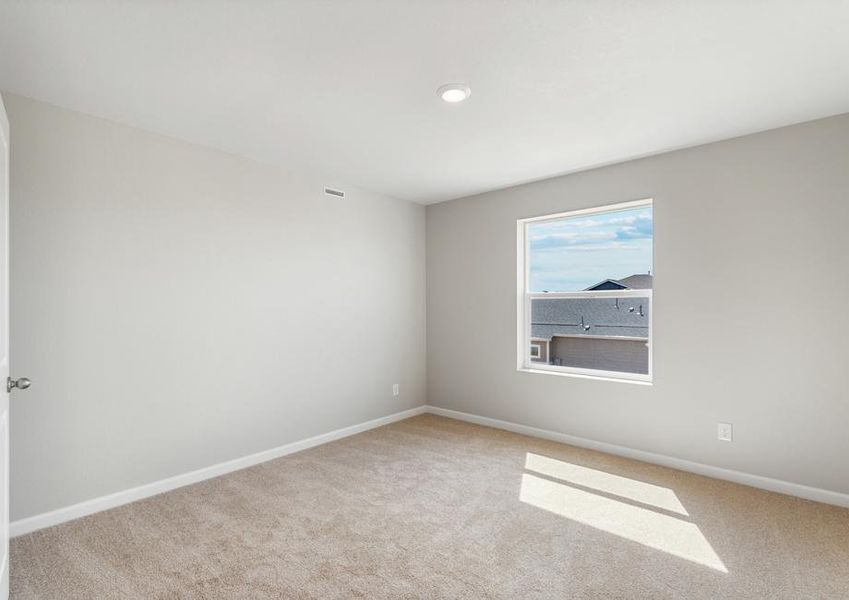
(88, 507)
(75, 511)
(758, 481)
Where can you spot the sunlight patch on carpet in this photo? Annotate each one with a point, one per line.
(652, 529)
(645, 493)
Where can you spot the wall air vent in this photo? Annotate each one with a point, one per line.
(332, 192)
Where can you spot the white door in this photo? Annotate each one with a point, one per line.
(4, 352)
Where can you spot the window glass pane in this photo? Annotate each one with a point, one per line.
(611, 250)
(591, 278)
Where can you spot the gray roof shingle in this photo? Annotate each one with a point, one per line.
(638, 281)
(609, 317)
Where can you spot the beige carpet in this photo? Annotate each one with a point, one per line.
(435, 508)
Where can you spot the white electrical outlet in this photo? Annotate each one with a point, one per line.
(725, 432)
(395, 389)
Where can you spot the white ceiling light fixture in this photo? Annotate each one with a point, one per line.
(454, 92)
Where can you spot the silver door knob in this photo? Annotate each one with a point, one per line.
(22, 383)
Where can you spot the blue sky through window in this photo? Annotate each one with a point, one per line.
(574, 253)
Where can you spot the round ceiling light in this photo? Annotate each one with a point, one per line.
(454, 92)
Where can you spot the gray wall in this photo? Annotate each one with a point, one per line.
(750, 316)
(173, 306)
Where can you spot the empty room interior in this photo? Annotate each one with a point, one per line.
(356, 299)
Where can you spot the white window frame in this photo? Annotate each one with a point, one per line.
(538, 346)
(524, 298)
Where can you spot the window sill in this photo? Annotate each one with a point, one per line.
(584, 376)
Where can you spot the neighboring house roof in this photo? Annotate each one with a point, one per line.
(607, 317)
(638, 281)
(608, 284)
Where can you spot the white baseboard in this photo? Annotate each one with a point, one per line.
(765, 483)
(75, 511)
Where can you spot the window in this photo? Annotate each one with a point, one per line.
(585, 283)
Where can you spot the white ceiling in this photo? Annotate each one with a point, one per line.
(347, 88)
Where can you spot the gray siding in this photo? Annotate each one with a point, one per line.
(624, 356)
